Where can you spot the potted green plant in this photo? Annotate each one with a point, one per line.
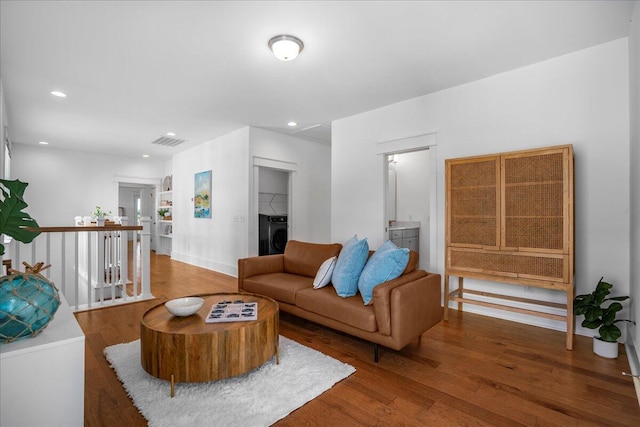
(162, 212)
(597, 316)
(14, 222)
(100, 215)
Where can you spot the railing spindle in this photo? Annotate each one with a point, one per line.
(109, 259)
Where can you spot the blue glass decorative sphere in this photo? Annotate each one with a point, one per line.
(27, 304)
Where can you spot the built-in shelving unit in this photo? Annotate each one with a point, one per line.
(164, 227)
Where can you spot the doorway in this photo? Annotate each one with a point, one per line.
(273, 210)
(134, 202)
(408, 200)
(410, 195)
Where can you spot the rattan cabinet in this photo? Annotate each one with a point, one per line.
(509, 218)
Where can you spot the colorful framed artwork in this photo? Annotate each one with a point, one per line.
(202, 195)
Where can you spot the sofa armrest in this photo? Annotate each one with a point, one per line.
(409, 304)
(253, 266)
(415, 308)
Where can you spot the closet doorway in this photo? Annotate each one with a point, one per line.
(273, 210)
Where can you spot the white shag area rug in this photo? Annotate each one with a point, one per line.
(258, 398)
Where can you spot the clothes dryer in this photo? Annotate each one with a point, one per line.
(273, 234)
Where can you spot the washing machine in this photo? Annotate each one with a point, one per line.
(273, 234)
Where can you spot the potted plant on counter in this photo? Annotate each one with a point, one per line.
(597, 316)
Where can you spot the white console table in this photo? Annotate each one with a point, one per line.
(42, 378)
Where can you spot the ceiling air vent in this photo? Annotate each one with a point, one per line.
(168, 142)
(319, 132)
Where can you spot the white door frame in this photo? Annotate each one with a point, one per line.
(263, 162)
(404, 145)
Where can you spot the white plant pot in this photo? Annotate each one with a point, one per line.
(100, 222)
(605, 349)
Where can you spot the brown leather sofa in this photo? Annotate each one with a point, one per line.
(401, 311)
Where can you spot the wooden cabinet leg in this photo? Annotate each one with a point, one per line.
(446, 298)
(570, 317)
(460, 293)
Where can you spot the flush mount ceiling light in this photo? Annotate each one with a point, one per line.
(171, 134)
(285, 47)
(58, 94)
(292, 124)
(43, 143)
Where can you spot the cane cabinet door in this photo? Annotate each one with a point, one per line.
(511, 216)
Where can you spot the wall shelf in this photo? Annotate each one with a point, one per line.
(164, 227)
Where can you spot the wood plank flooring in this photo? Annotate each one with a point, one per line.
(473, 370)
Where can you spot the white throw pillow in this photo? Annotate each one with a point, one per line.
(323, 277)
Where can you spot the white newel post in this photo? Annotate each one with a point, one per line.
(99, 260)
(124, 255)
(145, 248)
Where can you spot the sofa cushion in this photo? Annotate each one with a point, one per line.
(279, 286)
(387, 263)
(350, 263)
(349, 311)
(324, 273)
(412, 264)
(306, 258)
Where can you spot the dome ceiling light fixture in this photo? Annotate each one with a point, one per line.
(286, 47)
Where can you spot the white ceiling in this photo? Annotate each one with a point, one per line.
(136, 70)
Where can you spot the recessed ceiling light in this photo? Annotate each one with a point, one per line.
(43, 143)
(145, 155)
(58, 94)
(171, 134)
(292, 124)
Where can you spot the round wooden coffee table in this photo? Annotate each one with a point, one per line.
(186, 349)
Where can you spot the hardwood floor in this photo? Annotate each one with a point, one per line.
(473, 370)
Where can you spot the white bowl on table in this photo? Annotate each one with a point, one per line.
(184, 306)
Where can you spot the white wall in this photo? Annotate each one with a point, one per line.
(64, 184)
(4, 121)
(580, 98)
(311, 190)
(634, 98)
(217, 243)
(274, 192)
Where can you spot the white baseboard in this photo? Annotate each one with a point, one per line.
(231, 270)
(634, 361)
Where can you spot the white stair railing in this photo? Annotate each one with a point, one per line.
(90, 264)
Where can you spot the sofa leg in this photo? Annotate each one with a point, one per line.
(375, 352)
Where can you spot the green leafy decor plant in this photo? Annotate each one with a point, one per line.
(98, 213)
(162, 212)
(596, 315)
(14, 222)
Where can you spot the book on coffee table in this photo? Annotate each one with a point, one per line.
(227, 311)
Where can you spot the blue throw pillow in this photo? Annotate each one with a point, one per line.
(351, 261)
(387, 263)
(385, 247)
